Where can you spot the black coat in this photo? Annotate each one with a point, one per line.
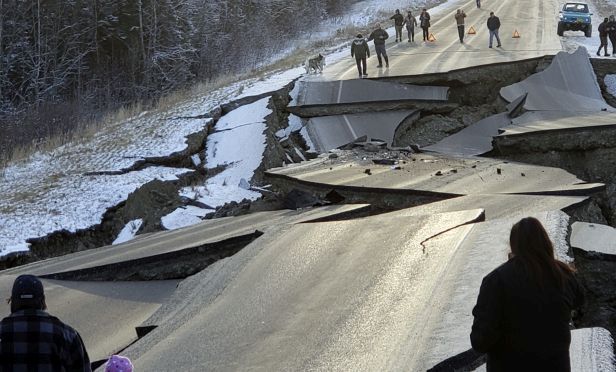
(520, 326)
(493, 23)
(611, 29)
(424, 20)
(398, 19)
(603, 29)
(359, 48)
(379, 36)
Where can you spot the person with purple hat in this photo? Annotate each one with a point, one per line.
(33, 340)
(118, 363)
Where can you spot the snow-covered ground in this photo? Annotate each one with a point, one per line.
(50, 191)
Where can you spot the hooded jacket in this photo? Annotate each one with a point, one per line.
(359, 48)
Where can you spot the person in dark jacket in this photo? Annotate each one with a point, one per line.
(398, 22)
(611, 25)
(379, 36)
(603, 34)
(524, 306)
(460, 15)
(360, 50)
(493, 26)
(33, 340)
(410, 23)
(424, 23)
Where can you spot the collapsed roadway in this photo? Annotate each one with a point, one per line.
(385, 276)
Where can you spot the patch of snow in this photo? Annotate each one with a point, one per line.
(244, 184)
(238, 144)
(309, 143)
(184, 216)
(129, 231)
(295, 124)
(557, 227)
(196, 160)
(57, 201)
(299, 153)
(271, 82)
(591, 350)
(610, 83)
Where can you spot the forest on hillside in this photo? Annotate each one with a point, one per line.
(63, 61)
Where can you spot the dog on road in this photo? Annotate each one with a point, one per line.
(315, 64)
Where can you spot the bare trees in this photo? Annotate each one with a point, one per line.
(97, 54)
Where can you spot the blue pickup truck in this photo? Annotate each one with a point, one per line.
(575, 17)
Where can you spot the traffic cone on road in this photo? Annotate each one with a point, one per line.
(431, 38)
(471, 31)
(516, 35)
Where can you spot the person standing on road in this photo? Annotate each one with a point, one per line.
(398, 22)
(478, 3)
(379, 36)
(360, 50)
(603, 34)
(493, 26)
(424, 23)
(460, 15)
(33, 340)
(410, 22)
(524, 307)
(612, 33)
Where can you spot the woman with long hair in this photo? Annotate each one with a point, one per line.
(523, 312)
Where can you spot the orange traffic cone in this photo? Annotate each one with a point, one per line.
(431, 38)
(516, 35)
(471, 31)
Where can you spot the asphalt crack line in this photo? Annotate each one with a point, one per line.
(480, 218)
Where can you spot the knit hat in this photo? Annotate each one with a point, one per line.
(118, 363)
(27, 287)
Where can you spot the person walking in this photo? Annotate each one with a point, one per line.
(524, 307)
(612, 33)
(478, 2)
(379, 36)
(424, 23)
(493, 26)
(603, 34)
(460, 15)
(33, 340)
(360, 50)
(398, 22)
(410, 23)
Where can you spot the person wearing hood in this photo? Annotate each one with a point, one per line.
(398, 22)
(379, 36)
(410, 23)
(361, 52)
